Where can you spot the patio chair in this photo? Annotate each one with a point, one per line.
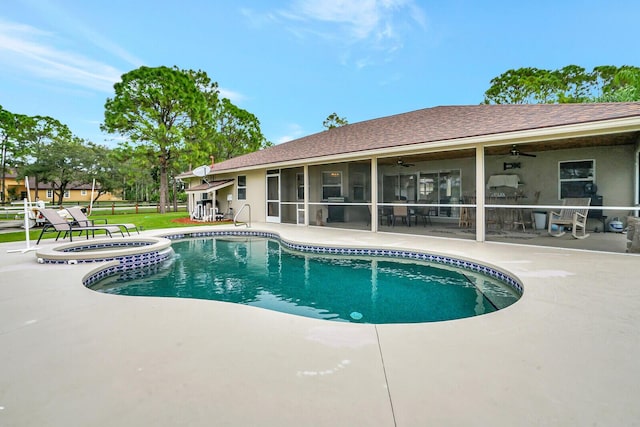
(58, 224)
(573, 214)
(525, 217)
(425, 212)
(403, 213)
(81, 219)
(385, 215)
(492, 214)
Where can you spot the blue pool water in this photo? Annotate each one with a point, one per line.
(260, 272)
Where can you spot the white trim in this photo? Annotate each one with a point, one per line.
(273, 218)
(238, 186)
(585, 180)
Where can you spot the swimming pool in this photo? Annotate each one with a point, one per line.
(261, 272)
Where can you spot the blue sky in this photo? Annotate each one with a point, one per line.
(294, 62)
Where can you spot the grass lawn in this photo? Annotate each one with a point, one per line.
(144, 221)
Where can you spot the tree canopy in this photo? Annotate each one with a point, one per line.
(170, 114)
(334, 121)
(569, 84)
(10, 128)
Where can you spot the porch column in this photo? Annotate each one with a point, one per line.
(305, 172)
(636, 184)
(374, 194)
(214, 196)
(480, 223)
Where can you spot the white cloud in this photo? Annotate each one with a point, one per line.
(258, 20)
(361, 19)
(235, 97)
(371, 25)
(29, 50)
(294, 131)
(358, 17)
(66, 23)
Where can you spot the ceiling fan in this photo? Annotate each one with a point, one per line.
(403, 164)
(514, 152)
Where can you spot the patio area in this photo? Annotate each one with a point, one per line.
(597, 240)
(565, 354)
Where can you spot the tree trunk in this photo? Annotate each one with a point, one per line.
(4, 154)
(37, 185)
(164, 186)
(175, 196)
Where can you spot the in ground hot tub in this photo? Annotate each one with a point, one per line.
(119, 254)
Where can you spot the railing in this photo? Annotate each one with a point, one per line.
(235, 218)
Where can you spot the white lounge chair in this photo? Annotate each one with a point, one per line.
(56, 223)
(80, 218)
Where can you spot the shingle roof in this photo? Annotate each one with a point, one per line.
(210, 185)
(432, 125)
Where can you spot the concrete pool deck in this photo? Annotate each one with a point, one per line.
(568, 353)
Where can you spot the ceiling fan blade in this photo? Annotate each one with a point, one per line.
(514, 152)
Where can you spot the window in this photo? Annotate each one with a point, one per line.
(358, 186)
(443, 187)
(49, 194)
(427, 186)
(331, 184)
(67, 194)
(574, 176)
(242, 187)
(83, 192)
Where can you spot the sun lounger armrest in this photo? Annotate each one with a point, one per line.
(580, 215)
(551, 214)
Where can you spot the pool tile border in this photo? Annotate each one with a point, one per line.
(107, 245)
(394, 253)
(124, 263)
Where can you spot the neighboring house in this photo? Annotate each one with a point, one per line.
(16, 191)
(444, 164)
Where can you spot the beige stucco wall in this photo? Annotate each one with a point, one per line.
(256, 194)
(614, 173)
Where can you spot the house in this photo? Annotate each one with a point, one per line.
(480, 167)
(76, 193)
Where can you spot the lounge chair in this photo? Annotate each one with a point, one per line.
(81, 219)
(573, 214)
(56, 223)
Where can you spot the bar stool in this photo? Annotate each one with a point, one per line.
(466, 217)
